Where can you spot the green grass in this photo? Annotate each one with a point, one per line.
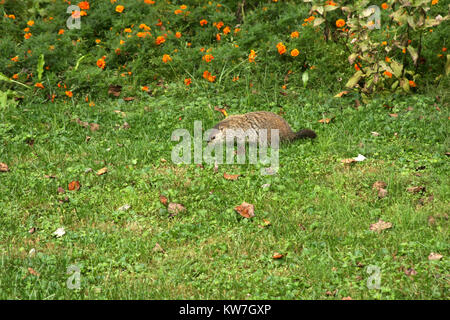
(320, 210)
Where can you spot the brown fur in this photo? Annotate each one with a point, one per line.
(264, 120)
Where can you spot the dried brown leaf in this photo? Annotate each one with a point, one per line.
(380, 226)
(246, 210)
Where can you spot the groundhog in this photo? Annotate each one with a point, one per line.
(252, 121)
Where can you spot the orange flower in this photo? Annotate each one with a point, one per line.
(252, 56)
(187, 81)
(203, 22)
(388, 74)
(384, 43)
(412, 84)
(15, 59)
(101, 63)
(61, 31)
(39, 85)
(69, 93)
(84, 5)
(218, 37)
(433, 2)
(15, 76)
(144, 26)
(208, 57)
(384, 6)
(340, 23)
(237, 30)
(27, 35)
(295, 53)
(281, 48)
(30, 23)
(183, 7)
(149, 1)
(219, 25)
(166, 58)
(159, 40)
(178, 35)
(145, 88)
(26, 29)
(357, 68)
(178, 11)
(387, 59)
(98, 41)
(295, 34)
(120, 8)
(226, 30)
(207, 75)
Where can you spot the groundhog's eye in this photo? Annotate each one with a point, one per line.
(212, 138)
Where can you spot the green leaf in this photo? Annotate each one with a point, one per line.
(40, 66)
(305, 78)
(447, 65)
(318, 21)
(5, 78)
(413, 54)
(354, 79)
(396, 68)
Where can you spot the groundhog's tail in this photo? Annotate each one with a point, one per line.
(305, 133)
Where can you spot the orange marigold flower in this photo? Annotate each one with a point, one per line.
(281, 48)
(15, 76)
(159, 40)
(444, 49)
(26, 29)
(384, 43)
(252, 56)
(27, 35)
(178, 35)
(98, 41)
(84, 5)
(388, 74)
(412, 84)
(219, 25)
(120, 8)
(145, 88)
(11, 16)
(384, 6)
(15, 59)
(149, 1)
(203, 22)
(237, 30)
(127, 30)
(101, 63)
(187, 81)
(357, 68)
(39, 85)
(295, 53)
(433, 2)
(340, 23)
(69, 93)
(295, 34)
(226, 30)
(218, 37)
(61, 31)
(178, 11)
(387, 59)
(208, 57)
(166, 58)
(144, 26)
(30, 23)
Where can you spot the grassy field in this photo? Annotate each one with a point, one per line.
(319, 209)
(75, 156)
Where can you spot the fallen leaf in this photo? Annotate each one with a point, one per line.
(393, 115)
(59, 232)
(94, 126)
(382, 193)
(331, 293)
(348, 161)
(415, 189)
(125, 207)
(277, 255)
(126, 126)
(360, 158)
(163, 200)
(50, 176)
(435, 256)
(375, 134)
(158, 248)
(379, 185)
(347, 298)
(129, 98)
(32, 230)
(431, 221)
(231, 176)
(222, 110)
(3, 167)
(74, 186)
(340, 94)
(102, 171)
(33, 272)
(380, 226)
(410, 272)
(87, 139)
(115, 90)
(246, 210)
(326, 120)
(121, 113)
(61, 190)
(175, 208)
